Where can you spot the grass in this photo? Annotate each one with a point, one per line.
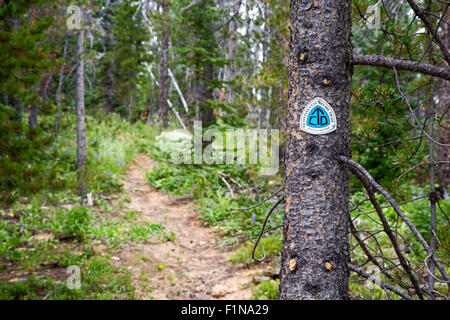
(46, 227)
(100, 280)
(47, 230)
(266, 290)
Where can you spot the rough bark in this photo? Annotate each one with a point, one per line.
(444, 124)
(163, 73)
(81, 122)
(315, 252)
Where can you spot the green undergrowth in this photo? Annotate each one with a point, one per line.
(99, 280)
(267, 290)
(205, 185)
(418, 212)
(34, 237)
(43, 231)
(51, 173)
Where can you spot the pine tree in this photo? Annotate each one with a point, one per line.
(315, 240)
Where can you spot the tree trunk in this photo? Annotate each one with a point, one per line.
(109, 79)
(16, 104)
(444, 111)
(207, 94)
(132, 103)
(164, 78)
(81, 123)
(315, 250)
(33, 116)
(60, 84)
(230, 70)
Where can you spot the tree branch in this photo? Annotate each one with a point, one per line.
(420, 12)
(364, 247)
(400, 64)
(263, 231)
(378, 282)
(356, 167)
(388, 231)
(189, 6)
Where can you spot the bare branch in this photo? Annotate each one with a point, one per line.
(230, 18)
(262, 230)
(380, 283)
(261, 202)
(400, 64)
(356, 167)
(421, 164)
(388, 231)
(420, 12)
(229, 187)
(395, 141)
(189, 6)
(364, 247)
(413, 115)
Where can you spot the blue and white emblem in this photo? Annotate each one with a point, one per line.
(318, 117)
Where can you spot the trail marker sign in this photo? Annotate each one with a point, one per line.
(318, 117)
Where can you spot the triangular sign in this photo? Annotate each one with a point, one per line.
(318, 117)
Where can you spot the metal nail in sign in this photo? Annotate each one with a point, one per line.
(318, 117)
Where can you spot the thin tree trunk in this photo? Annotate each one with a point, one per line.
(432, 198)
(16, 104)
(41, 90)
(132, 103)
(444, 124)
(207, 94)
(81, 122)
(15, 100)
(164, 79)
(230, 70)
(60, 84)
(109, 80)
(33, 114)
(315, 252)
(432, 192)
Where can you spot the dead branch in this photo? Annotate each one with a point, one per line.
(388, 231)
(228, 186)
(231, 179)
(262, 231)
(364, 248)
(380, 283)
(261, 202)
(400, 64)
(356, 167)
(420, 12)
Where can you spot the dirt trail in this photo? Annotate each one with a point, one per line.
(191, 267)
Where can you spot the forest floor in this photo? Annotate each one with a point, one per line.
(189, 267)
